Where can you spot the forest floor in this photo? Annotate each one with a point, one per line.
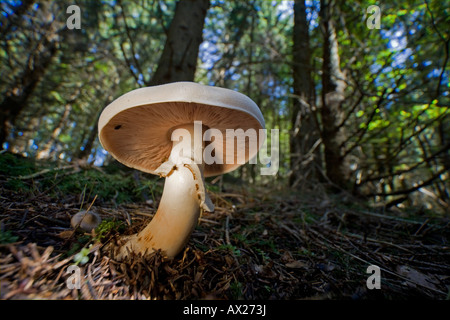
(258, 244)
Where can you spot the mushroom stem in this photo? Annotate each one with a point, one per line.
(184, 196)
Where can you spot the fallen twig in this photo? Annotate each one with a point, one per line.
(42, 172)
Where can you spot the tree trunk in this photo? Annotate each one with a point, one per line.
(333, 86)
(179, 57)
(305, 137)
(444, 138)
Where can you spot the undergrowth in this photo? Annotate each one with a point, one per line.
(258, 244)
(112, 183)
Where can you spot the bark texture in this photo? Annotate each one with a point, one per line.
(333, 88)
(305, 137)
(179, 57)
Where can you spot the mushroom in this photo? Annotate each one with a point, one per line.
(167, 130)
(85, 220)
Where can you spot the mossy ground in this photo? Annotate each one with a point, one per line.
(258, 244)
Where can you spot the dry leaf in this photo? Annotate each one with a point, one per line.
(416, 277)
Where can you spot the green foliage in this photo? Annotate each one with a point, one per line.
(81, 257)
(7, 237)
(106, 187)
(113, 184)
(229, 247)
(15, 165)
(80, 243)
(106, 227)
(236, 289)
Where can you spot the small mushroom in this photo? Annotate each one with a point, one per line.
(138, 130)
(86, 220)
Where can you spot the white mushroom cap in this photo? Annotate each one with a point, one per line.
(136, 128)
(86, 220)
